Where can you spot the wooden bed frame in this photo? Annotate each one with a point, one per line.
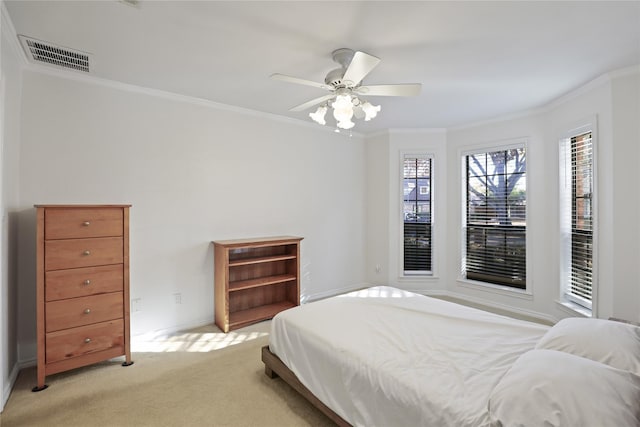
(274, 367)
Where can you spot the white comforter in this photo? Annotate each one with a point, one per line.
(387, 357)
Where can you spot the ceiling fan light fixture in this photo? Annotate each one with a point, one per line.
(370, 110)
(344, 85)
(345, 124)
(343, 111)
(318, 116)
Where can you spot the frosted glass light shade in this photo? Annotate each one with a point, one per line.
(318, 116)
(370, 111)
(343, 111)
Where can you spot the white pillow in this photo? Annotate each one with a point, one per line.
(551, 388)
(615, 343)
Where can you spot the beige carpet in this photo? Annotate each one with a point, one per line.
(217, 387)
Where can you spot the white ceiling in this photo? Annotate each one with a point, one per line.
(476, 60)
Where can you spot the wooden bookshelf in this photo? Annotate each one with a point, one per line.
(254, 279)
(242, 318)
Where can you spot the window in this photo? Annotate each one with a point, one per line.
(417, 184)
(577, 217)
(495, 218)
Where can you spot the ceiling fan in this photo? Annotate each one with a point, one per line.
(345, 87)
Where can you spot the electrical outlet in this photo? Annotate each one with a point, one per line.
(378, 269)
(135, 305)
(178, 298)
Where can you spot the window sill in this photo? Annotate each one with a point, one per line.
(417, 278)
(495, 289)
(574, 309)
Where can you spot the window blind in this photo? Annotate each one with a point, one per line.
(496, 217)
(581, 274)
(417, 215)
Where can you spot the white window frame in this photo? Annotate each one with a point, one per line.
(527, 292)
(418, 273)
(565, 176)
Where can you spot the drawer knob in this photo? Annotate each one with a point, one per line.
(87, 340)
(86, 253)
(86, 223)
(87, 282)
(87, 311)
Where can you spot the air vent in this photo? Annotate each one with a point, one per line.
(58, 56)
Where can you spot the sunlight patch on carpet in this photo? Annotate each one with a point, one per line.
(193, 341)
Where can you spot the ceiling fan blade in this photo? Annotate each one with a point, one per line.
(312, 103)
(361, 65)
(409, 89)
(296, 80)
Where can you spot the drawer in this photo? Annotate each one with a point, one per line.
(80, 282)
(74, 253)
(76, 342)
(69, 313)
(68, 223)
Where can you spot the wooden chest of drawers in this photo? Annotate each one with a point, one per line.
(82, 286)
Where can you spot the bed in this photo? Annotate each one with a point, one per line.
(387, 357)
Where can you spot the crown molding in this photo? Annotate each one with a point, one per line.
(587, 87)
(498, 119)
(383, 132)
(417, 131)
(623, 72)
(601, 80)
(407, 131)
(65, 74)
(126, 87)
(9, 32)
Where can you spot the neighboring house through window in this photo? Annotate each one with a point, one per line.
(495, 222)
(417, 208)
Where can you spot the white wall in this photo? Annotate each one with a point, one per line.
(193, 173)
(377, 218)
(384, 214)
(592, 101)
(626, 194)
(10, 84)
(614, 99)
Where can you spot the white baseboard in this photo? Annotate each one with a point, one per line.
(8, 387)
(332, 292)
(172, 330)
(492, 306)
